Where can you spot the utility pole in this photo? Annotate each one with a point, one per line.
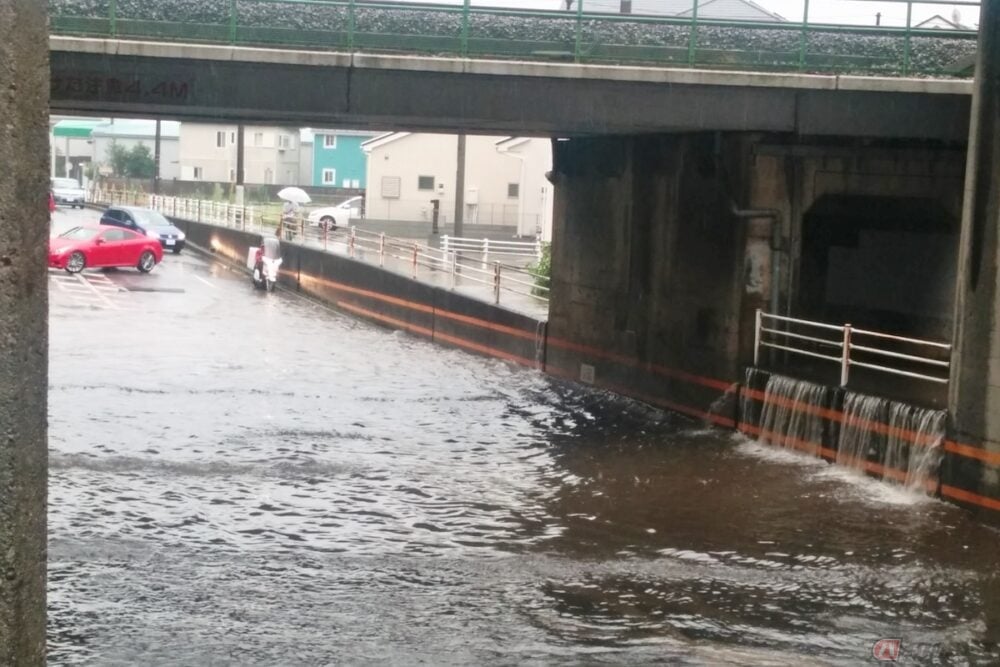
(156, 160)
(460, 186)
(239, 165)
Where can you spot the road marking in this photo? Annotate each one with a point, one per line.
(206, 282)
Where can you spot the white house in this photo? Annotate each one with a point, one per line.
(406, 171)
(534, 216)
(208, 153)
(130, 133)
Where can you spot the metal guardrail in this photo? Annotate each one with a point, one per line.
(485, 247)
(848, 344)
(580, 35)
(444, 267)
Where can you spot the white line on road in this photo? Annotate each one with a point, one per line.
(206, 282)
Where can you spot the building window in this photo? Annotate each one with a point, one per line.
(390, 187)
(232, 137)
(329, 177)
(284, 141)
(220, 139)
(330, 141)
(258, 138)
(513, 190)
(196, 172)
(425, 182)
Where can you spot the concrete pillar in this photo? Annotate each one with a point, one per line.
(975, 390)
(24, 226)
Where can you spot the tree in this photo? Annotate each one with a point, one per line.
(135, 163)
(140, 162)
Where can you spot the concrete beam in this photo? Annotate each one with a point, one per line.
(24, 226)
(975, 386)
(207, 82)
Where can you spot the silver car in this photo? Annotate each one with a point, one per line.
(68, 191)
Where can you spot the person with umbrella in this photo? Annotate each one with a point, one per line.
(293, 197)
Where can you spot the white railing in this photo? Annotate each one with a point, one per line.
(851, 347)
(459, 263)
(484, 247)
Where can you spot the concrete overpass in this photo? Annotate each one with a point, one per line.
(206, 82)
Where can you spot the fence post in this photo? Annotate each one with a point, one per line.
(538, 248)
(465, 29)
(243, 219)
(693, 37)
(232, 21)
(199, 210)
(381, 249)
(803, 36)
(906, 44)
(351, 23)
(756, 338)
(579, 30)
(415, 251)
(354, 240)
(496, 282)
(113, 17)
(444, 243)
(845, 358)
(454, 269)
(486, 252)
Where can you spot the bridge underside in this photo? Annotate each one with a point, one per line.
(188, 82)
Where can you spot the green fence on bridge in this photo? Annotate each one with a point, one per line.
(579, 35)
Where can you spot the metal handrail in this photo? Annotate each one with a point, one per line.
(778, 339)
(585, 36)
(360, 244)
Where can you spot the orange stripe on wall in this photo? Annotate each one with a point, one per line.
(825, 413)
(969, 497)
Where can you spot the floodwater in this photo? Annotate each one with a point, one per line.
(245, 478)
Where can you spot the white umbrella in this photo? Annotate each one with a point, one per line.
(295, 195)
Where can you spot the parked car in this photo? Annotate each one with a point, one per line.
(339, 215)
(146, 221)
(68, 191)
(93, 247)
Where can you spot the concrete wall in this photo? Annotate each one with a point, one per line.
(647, 268)
(975, 389)
(390, 299)
(23, 330)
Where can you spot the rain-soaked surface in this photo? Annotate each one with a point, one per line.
(245, 478)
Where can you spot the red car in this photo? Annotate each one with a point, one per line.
(93, 247)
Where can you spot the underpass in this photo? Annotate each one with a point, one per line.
(240, 477)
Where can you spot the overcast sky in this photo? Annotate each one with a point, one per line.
(835, 11)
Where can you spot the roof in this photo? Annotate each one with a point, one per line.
(76, 128)
(938, 21)
(735, 10)
(510, 142)
(382, 140)
(346, 133)
(138, 129)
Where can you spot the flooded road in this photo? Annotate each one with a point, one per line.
(245, 478)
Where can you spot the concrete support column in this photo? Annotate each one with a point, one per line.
(975, 390)
(24, 226)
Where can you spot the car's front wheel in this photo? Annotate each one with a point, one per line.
(327, 222)
(76, 262)
(147, 260)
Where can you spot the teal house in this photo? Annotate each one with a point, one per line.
(338, 160)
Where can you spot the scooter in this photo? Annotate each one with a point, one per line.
(264, 263)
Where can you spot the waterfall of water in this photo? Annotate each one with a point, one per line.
(914, 444)
(901, 442)
(904, 440)
(858, 444)
(788, 416)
